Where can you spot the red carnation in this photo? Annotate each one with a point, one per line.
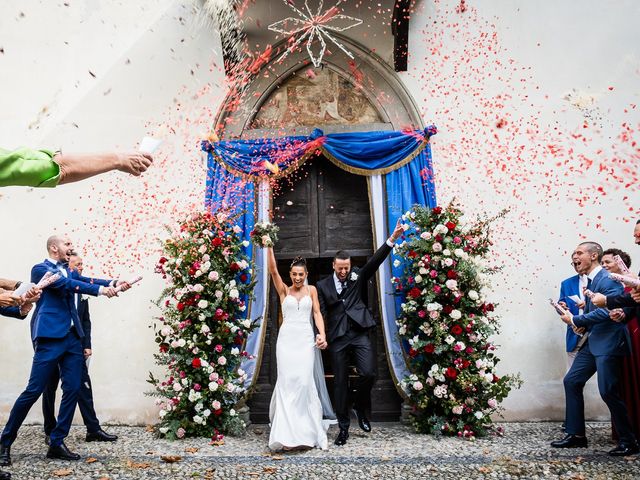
(451, 373)
(196, 363)
(450, 225)
(456, 329)
(436, 210)
(216, 242)
(429, 348)
(452, 274)
(414, 292)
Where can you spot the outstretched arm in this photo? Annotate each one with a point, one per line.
(281, 288)
(75, 167)
(378, 257)
(321, 339)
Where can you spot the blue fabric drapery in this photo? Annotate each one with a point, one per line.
(403, 158)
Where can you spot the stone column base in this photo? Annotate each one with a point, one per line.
(406, 413)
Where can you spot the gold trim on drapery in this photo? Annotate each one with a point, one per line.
(307, 155)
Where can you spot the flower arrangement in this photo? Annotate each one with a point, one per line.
(264, 234)
(446, 323)
(203, 328)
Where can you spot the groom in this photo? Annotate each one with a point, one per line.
(347, 322)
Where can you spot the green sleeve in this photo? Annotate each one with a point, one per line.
(27, 167)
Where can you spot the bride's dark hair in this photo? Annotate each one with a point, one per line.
(299, 262)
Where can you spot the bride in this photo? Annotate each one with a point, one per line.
(300, 395)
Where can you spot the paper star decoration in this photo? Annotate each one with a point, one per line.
(312, 26)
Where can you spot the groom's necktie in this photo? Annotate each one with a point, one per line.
(343, 288)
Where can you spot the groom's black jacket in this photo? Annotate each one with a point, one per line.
(338, 309)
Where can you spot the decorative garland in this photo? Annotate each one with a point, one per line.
(203, 328)
(447, 324)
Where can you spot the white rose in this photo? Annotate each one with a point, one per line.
(166, 331)
(425, 235)
(215, 405)
(222, 361)
(213, 386)
(473, 295)
(455, 314)
(457, 410)
(246, 323)
(448, 262)
(458, 252)
(232, 412)
(233, 293)
(198, 288)
(396, 263)
(204, 329)
(203, 304)
(478, 415)
(235, 351)
(182, 342)
(163, 430)
(446, 252)
(162, 413)
(449, 339)
(202, 249)
(177, 387)
(417, 386)
(418, 279)
(236, 229)
(423, 271)
(488, 377)
(218, 294)
(197, 419)
(230, 387)
(437, 247)
(213, 276)
(451, 284)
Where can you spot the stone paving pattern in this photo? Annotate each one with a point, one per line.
(390, 451)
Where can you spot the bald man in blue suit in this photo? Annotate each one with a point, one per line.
(57, 335)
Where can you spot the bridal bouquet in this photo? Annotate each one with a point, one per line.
(203, 328)
(447, 323)
(264, 234)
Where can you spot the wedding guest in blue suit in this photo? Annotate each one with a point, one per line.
(95, 433)
(572, 287)
(603, 351)
(57, 335)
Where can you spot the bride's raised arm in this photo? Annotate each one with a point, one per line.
(281, 288)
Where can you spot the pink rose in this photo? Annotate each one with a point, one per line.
(218, 348)
(433, 274)
(180, 432)
(457, 240)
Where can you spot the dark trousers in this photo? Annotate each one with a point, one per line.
(609, 371)
(50, 354)
(85, 402)
(354, 343)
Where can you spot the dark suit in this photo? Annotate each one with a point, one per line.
(57, 334)
(347, 322)
(607, 343)
(85, 396)
(13, 312)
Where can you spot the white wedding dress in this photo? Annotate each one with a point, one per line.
(296, 411)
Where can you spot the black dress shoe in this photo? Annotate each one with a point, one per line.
(5, 475)
(624, 450)
(570, 441)
(363, 421)
(61, 452)
(342, 437)
(5, 456)
(100, 436)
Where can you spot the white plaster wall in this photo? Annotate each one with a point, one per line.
(158, 71)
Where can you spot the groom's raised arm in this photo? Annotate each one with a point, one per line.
(383, 252)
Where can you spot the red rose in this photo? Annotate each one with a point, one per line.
(180, 306)
(429, 348)
(412, 352)
(452, 274)
(465, 363)
(450, 225)
(164, 348)
(162, 260)
(412, 254)
(456, 329)
(196, 363)
(447, 309)
(216, 242)
(234, 267)
(496, 379)
(451, 373)
(415, 292)
(436, 210)
(243, 278)
(218, 412)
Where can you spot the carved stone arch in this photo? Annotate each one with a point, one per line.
(379, 83)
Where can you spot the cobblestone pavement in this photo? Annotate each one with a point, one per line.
(389, 451)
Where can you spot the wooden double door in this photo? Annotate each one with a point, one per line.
(321, 209)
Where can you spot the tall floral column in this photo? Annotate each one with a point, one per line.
(203, 328)
(446, 324)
